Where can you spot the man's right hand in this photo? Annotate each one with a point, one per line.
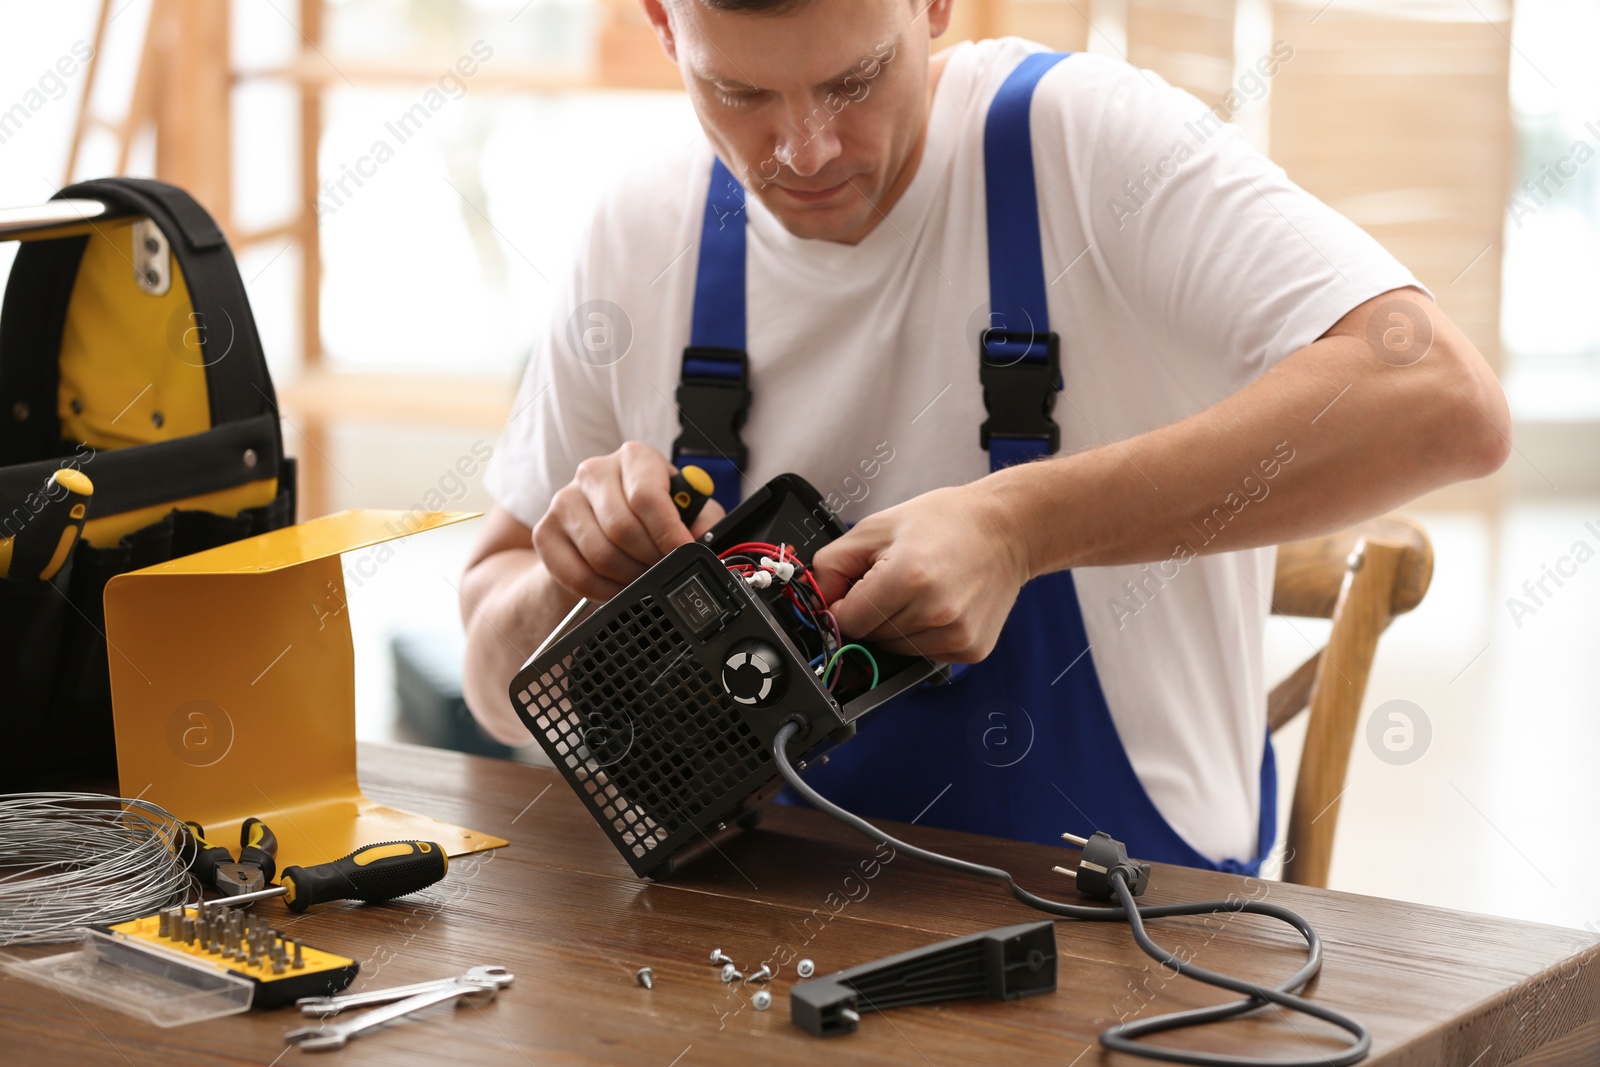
(613, 521)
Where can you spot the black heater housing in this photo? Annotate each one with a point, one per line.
(660, 706)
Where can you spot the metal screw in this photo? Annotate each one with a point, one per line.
(805, 968)
(250, 458)
(729, 973)
(718, 957)
(762, 975)
(646, 977)
(762, 1000)
(157, 419)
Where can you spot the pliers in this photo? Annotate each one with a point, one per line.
(216, 868)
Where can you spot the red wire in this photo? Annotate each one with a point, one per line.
(786, 553)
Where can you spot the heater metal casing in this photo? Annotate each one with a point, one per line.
(660, 707)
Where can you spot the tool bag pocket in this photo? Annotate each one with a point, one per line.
(127, 352)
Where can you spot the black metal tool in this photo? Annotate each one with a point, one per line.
(1002, 964)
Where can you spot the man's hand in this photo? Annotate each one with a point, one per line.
(935, 576)
(613, 521)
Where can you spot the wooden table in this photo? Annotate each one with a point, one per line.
(561, 910)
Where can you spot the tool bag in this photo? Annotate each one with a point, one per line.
(127, 351)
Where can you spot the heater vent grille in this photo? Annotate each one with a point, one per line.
(642, 728)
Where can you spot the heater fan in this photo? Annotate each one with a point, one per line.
(660, 707)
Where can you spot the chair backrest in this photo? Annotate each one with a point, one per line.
(1361, 578)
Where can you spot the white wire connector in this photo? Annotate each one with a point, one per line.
(759, 579)
(782, 568)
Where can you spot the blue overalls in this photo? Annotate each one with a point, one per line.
(1024, 740)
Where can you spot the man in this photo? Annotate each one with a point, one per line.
(1240, 366)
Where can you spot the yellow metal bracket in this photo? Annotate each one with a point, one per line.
(233, 690)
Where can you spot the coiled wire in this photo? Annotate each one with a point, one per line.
(76, 859)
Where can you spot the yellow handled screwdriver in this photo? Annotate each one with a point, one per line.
(691, 488)
(372, 873)
(40, 549)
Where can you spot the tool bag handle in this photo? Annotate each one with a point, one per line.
(238, 387)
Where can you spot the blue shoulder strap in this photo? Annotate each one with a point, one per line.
(1021, 362)
(714, 387)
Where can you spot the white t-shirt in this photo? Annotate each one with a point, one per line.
(1182, 265)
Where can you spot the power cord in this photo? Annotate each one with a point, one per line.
(1106, 871)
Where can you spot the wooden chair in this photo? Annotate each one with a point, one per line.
(1361, 578)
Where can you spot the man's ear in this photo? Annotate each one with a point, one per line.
(661, 21)
(938, 17)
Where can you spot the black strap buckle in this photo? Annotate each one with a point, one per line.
(713, 399)
(1021, 374)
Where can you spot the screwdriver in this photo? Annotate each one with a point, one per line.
(691, 488)
(372, 873)
(40, 549)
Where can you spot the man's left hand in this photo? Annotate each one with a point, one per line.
(935, 576)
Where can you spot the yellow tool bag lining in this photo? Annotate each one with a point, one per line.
(165, 402)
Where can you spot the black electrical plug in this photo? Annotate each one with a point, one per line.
(1102, 856)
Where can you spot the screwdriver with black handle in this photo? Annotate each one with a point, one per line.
(690, 488)
(41, 547)
(372, 873)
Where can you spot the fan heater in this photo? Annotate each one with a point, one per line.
(660, 706)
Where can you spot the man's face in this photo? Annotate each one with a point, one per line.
(818, 111)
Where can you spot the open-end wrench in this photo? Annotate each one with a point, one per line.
(333, 1005)
(331, 1035)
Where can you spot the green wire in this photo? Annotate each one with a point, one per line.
(859, 648)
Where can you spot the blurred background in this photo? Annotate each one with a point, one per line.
(399, 270)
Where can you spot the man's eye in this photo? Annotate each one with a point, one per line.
(738, 97)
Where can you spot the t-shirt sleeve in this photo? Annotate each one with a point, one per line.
(563, 412)
(1206, 239)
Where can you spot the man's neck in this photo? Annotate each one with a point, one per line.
(908, 171)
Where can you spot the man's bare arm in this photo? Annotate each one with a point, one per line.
(509, 603)
(1367, 434)
(938, 574)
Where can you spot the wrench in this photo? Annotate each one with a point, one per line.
(333, 1035)
(333, 1005)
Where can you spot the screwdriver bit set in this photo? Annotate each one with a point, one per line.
(283, 969)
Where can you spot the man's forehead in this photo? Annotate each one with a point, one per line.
(818, 44)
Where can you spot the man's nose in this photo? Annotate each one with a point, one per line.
(809, 143)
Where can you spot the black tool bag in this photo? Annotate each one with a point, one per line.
(127, 351)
